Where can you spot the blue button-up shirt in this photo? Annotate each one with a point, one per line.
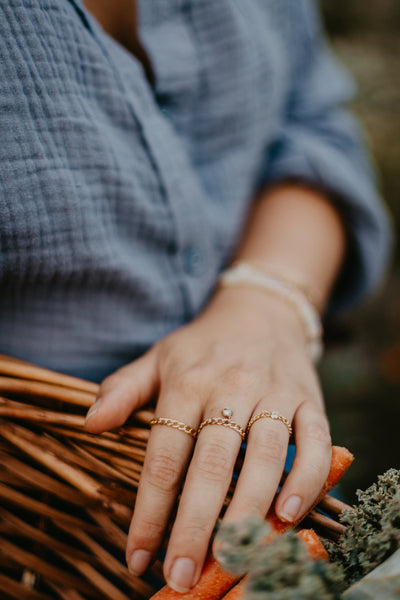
(120, 202)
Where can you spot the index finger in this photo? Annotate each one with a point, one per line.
(168, 451)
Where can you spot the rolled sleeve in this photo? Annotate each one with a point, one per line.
(320, 144)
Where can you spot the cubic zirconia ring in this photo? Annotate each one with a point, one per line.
(275, 416)
(175, 425)
(225, 421)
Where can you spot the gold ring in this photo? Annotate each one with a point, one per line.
(175, 425)
(275, 416)
(225, 421)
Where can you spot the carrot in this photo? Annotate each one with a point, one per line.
(213, 583)
(340, 462)
(315, 548)
(237, 592)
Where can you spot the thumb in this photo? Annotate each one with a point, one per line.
(124, 391)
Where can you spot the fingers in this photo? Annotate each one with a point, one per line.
(266, 451)
(123, 392)
(190, 392)
(167, 455)
(311, 464)
(168, 452)
(208, 476)
(262, 469)
(207, 482)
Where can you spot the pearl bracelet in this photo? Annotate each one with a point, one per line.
(244, 273)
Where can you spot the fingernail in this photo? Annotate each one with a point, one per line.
(291, 509)
(93, 410)
(181, 575)
(139, 562)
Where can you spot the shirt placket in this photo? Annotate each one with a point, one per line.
(194, 264)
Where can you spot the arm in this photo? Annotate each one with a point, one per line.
(296, 232)
(246, 351)
(321, 144)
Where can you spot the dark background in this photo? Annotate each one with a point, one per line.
(361, 369)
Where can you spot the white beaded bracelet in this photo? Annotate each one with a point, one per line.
(244, 273)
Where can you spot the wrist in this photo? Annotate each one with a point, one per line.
(246, 275)
(251, 309)
(287, 277)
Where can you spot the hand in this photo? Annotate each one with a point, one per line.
(246, 351)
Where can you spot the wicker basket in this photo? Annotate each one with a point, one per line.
(66, 496)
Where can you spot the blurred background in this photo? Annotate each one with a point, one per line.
(361, 370)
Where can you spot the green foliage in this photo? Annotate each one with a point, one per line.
(372, 528)
(280, 570)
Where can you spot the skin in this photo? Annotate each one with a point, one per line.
(246, 351)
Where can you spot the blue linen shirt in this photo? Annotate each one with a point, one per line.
(120, 203)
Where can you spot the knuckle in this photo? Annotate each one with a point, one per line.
(271, 446)
(318, 431)
(109, 383)
(163, 471)
(238, 377)
(147, 533)
(255, 506)
(195, 531)
(189, 384)
(213, 461)
(313, 476)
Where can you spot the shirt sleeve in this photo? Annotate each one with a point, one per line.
(321, 144)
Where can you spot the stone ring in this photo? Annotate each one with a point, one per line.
(275, 416)
(225, 421)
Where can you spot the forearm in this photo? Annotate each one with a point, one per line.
(297, 233)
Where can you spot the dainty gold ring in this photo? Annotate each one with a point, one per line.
(175, 425)
(275, 416)
(225, 421)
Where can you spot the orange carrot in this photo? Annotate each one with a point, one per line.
(315, 548)
(213, 583)
(237, 592)
(340, 462)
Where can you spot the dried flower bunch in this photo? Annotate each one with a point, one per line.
(372, 528)
(282, 569)
(278, 570)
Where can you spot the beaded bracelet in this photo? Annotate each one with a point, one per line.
(244, 273)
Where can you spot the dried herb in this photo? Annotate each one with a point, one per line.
(372, 531)
(279, 570)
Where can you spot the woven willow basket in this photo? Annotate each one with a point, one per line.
(66, 496)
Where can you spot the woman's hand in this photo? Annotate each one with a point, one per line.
(246, 352)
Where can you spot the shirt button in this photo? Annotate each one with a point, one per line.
(165, 111)
(194, 261)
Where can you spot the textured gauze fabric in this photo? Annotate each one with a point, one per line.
(120, 202)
